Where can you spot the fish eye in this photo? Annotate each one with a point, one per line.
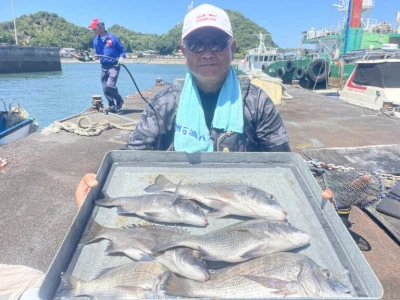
(271, 197)
(327, 273)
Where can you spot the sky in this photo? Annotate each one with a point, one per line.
(285, 20)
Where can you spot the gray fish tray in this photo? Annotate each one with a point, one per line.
(285, 175)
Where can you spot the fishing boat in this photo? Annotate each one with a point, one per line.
(15, 123)
(259, 58)
(337, 49)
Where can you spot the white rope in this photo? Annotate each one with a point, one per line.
(86, 127)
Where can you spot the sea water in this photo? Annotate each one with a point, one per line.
(51, 96)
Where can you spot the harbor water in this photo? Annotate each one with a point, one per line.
(51, 96)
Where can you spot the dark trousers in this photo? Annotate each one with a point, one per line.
(109, 77)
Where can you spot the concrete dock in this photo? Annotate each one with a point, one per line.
(37, 184)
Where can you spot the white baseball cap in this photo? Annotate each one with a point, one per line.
(206, 15)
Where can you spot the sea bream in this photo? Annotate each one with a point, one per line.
(283, 274)
(225, 198)
(241, 241)
(136, 242)
(137, 280)
(162, 207)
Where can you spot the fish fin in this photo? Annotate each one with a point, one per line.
(281, 287)
(93, 233)
(218, 213)
(165, 242)
(105, 202)
(177, 286)
(152, 215)
(139, 255)
(161, 184)
(256, 252)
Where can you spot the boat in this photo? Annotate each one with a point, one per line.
(25, 59)
(375, 84)
(15, 123)
(337, 49)
(259, 58)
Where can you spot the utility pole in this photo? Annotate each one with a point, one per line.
(15, 26)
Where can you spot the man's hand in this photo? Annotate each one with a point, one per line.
(121, 61)
(88, 181)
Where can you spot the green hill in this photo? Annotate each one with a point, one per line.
(48, 29)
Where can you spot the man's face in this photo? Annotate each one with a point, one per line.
(98, 30)
(208, 54)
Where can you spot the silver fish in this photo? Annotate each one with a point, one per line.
(225, 198)
(129, 281)
(283, 274)
(137, 241)
(241, 241)
(158, 207)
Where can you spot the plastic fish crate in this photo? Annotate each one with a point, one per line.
(284, 175)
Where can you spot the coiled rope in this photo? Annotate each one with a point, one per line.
(86, 127)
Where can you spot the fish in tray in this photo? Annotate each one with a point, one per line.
(225, 198)
(241, 241)
(137, 280)
(137, 241)
(163, 207)
(283, 274)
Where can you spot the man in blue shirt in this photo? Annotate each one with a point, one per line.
(111, 53)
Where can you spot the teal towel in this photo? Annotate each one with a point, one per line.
(191, 132)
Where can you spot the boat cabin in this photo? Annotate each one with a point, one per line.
(374, 84)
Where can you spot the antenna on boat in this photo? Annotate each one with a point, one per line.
(261, 45)
(398, 22)
(15, 26)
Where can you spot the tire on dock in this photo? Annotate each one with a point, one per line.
(318, 70)
(299, 73)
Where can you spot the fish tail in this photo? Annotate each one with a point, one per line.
(70, 286)
(161, 184)
(93, 232)
(105, 202)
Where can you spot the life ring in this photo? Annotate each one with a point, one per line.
(280, 72)
(299, 73)
(289, 66)
(318, 70)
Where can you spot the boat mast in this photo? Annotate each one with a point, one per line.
(261, 46)
(15, 25)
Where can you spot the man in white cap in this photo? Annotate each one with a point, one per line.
(213, 109)
(212, 104)
(111, 52)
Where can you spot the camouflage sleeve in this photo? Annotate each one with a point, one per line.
(156, 126)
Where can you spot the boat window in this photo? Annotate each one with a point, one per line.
(384, 75)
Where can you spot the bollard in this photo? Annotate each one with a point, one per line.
(97, 102)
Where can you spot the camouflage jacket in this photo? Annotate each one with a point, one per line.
(263, 126)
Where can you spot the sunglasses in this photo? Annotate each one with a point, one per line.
(213, 44)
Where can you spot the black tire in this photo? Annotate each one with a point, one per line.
(299, 73)
(289, 66)
(318, 70)
(280, 72)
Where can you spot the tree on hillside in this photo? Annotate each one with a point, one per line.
(48, 29)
